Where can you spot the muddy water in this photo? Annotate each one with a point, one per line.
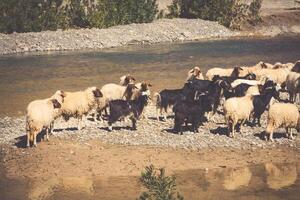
(30, 76)
(268, 181)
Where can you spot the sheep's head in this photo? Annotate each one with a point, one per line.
(145, 86)
(55, 103)
(97, 93)
(196, 71)
(127, 79)
(251, 76)
(236, 71)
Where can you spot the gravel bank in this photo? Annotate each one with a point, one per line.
(165, 30)
(151, 132)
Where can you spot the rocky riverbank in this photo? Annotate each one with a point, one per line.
(165, 30)
(212, 135)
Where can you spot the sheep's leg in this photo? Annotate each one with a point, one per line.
(34, 139)
(158, 110)
(79, 127)
(271, 136)
(47, 133)
(28, 139)
(51, 127)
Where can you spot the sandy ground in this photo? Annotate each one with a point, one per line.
(93, 158)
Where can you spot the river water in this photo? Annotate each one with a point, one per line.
(269, 181)
(26, 77)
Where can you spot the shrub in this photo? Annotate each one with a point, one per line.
(38, 15)
(159, 186)
(230, 13)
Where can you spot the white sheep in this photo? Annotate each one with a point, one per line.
(253, 90)
(195, 73)
(282, 115)
(249, 82)
(127, 79)
(237, 110)
(78, 104)
(293, 85)
(234, 72)
(276, 75)
(251, 69)
(39, 115)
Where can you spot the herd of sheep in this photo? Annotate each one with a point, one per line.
(244, 93)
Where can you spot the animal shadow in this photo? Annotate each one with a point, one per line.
(276, 135)
(220, 131)
(117, 128)
(21, 142)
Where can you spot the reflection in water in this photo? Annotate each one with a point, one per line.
(253, 182)
(280, 176)
(27, 77)
(44, 189)
(237, 178)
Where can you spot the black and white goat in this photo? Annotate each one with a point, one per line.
(119, 109)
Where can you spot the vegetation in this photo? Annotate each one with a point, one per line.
(159, 186)
(230, 13)
(39, 15)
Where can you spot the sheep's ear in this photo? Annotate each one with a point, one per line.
(149, 85)
(55, 103)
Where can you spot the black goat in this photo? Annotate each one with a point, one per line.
(133, 109)
(210, 88)
(191, 111)
(238, 91)
(167, 98)
(260, 102)
(230, 79)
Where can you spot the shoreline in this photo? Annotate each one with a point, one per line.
(157, 32)
(98, 157)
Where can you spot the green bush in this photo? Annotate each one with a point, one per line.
(230, 13)
(159, 186)
(39, 15)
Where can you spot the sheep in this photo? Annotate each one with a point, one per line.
(253, 90)
(233, 72)
(276, 75)
(127, 79)
(248, 82)
(79, 104)
(195, 73)
(40, 114)
(259, 65)
(280, 176)
(293, 85)
(237, 109)
(282, 115)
